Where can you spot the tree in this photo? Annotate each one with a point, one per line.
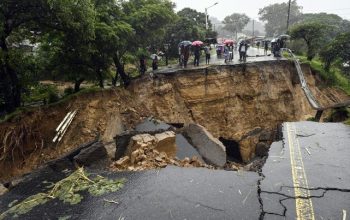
(312, 33)
(335, 22)
(339, 49)
(197, 18)
(70, 17)
(147, 20)
(236, 22)
(276, 16)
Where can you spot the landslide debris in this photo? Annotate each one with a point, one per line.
(146, 151)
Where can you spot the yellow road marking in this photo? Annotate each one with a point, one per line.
(303, 202)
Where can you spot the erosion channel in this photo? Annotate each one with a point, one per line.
(239, 106)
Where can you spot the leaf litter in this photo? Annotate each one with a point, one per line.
(67, 190)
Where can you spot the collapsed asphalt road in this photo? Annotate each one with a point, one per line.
(306, 176)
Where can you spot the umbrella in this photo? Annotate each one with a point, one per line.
(211, 41)
(185, 43)
(229, 42)
(197, 43)
(153, 56)
(284, 37)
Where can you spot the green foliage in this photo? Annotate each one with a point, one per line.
(312, 34)
(68, 91)
(339, 115)
(235, 22)
(276, 15)
(338, 49)
(337, 24)
(67, 190)
(333, 77)
(40, 92)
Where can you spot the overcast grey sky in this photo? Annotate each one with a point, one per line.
(251, 7)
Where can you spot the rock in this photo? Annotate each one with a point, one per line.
(122, 142)
(247, 148)
(140, 141)
(123, 161)
(265, 136)
(91, 154)
(262, 149)
(3, 190)
(185, 149)
(165, 142)
(210, 148)
(163, 89)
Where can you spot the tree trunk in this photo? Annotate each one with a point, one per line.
(120, 70)
(115, 79)
(77, 84)
(100, 77)
(11, 85)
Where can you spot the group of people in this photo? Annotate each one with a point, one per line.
(185, 52)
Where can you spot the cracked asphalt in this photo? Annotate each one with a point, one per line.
(278, 191)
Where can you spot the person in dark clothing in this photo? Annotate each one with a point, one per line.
(155, 63)
(266, 47)
(207, 54)
(185, 54)
(197, 54)
(143, 68)
(242, 50)
(258, 45)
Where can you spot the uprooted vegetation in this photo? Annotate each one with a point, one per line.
(68, 190)
(231, 102)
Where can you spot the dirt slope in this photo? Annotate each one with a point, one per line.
(230, 101)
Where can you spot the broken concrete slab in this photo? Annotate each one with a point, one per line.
(211, 149)
(185, 149)
(151, 125)
(91, 154)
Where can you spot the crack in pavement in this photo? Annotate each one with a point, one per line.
(287, 197)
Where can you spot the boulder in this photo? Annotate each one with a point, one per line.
(262, 149)
(265, 136)
(211, 149)
(247, 148)
(165, 142)
(3, 190)
(91, 154)
(185, 149)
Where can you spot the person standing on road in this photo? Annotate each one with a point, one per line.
(186, 55)
(197, 54)
(258, 45)
(242, 50)
(207, 54)
(155, 63)
(266, 47)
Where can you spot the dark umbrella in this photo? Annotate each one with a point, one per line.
(284, 37)
(185, 43)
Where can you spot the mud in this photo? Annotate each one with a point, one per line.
(226, 100)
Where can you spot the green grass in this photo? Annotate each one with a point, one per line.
(333, 78)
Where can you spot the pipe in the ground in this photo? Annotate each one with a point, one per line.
(67, 125)
(63, 121)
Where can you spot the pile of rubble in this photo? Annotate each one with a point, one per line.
(146, 151)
